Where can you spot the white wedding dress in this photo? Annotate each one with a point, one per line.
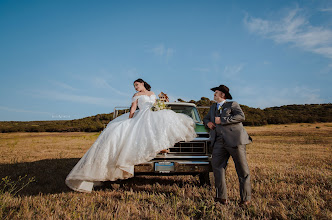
(126, 142)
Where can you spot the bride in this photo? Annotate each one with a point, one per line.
(130, 139)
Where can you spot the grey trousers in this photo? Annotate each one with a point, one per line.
(220, 155)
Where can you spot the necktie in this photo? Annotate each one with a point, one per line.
(218, 111)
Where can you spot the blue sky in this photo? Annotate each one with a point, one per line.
(71, 59)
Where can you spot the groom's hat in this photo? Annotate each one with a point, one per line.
(223, 89)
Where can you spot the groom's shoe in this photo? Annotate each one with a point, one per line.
(244, 203)
(221, 201)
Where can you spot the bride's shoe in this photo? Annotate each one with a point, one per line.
(164, 151)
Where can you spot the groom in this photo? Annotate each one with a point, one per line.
(228, 138)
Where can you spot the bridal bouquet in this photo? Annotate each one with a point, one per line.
(159, 105)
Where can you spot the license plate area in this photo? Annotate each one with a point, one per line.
(164, 167)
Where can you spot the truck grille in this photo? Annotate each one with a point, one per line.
(188, 147)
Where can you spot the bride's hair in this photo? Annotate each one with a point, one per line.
(146, 85)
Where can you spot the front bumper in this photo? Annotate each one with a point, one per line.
(173, 167)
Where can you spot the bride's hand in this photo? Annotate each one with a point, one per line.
(133, 108)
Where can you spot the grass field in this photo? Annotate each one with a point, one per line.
(290, 174)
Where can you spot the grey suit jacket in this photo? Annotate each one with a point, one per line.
(231, 127)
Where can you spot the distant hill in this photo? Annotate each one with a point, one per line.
(308, 113)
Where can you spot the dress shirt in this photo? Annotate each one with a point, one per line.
(220, 104)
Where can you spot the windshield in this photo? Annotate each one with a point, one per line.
(188, 110)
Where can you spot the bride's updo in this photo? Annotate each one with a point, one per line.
(146, 85)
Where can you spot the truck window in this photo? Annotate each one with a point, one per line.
(188, 110)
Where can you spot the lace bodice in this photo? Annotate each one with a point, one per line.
(144, 101)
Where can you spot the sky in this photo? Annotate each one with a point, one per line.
(64, 60)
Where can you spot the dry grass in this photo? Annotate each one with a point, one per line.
(290, 168)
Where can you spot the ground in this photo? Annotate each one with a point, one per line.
(290, 175)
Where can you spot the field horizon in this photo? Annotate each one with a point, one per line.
(290, 167)
(286, 114)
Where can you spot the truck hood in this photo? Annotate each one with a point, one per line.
(201, 128)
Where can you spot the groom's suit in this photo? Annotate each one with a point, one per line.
(229, 139)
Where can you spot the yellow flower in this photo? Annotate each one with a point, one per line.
(159, 105)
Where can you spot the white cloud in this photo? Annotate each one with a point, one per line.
(102, 80)
(56, 95)
(102, 83)
(63, 85)
(52, 115)
(263, 97)
(159, 50)
(162, 51)
(216, 56)
(326, 9)
(78, 98)
(23, 110)
(232, 71)
(132, 73)
(169, 52)
(58, 116)
(202, 70)
(296, 30)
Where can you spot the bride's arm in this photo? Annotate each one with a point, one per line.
(133, 108)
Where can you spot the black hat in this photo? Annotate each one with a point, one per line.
(223, 89)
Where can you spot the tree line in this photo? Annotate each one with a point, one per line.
(286, 114)
(308, 113)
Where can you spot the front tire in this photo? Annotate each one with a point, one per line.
(206, 178)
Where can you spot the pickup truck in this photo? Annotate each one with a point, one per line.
(184, 158)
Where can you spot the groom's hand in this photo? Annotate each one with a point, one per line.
(217, 120)
(211, 125)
